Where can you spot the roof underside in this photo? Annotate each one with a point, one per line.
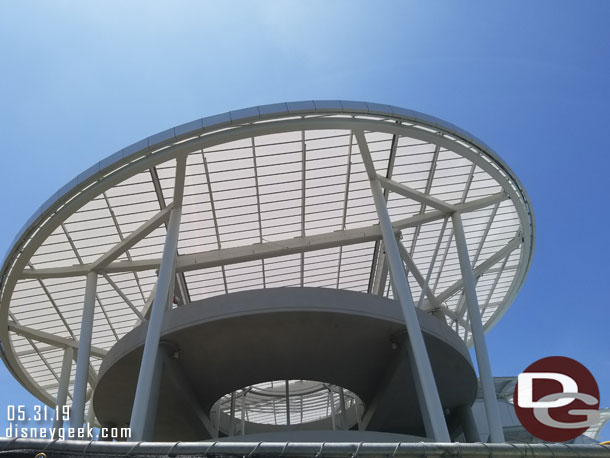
(268, 191)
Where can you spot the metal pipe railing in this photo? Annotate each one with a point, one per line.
(59, 448)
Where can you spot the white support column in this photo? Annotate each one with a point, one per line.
(419, 391)
(160, 304)
(62, 391)
(89, 418)
(358, 417)
(287, 404)
(151, 417)
(151, 346)
(381, 273)
(331, 401)
(243, 412)
(422, 369)
(232, 415)
(496, 433)
(79, 397)
(343, 409)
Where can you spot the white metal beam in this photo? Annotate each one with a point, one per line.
(123, 296)
(179, 180)
(461, 304)
(427, 189)
(62, 390)
(160, 304)
(96, 296)
(481, 268)
(496, 432)
(436, 426)
(492, 290)
(425, 288)
(51, 339)
(214, 218)
(37, 350)
(77, 416)
(121, 236)
(226, 256)
(418, 276)
(381, 273)
(133, 238)
(180, 174)
(303, 200)
(415, 195)
(54, 304)
(258, 208)
(148, 304)
(378, 268)
(346, 191)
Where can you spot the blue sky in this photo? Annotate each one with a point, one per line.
(81, 80)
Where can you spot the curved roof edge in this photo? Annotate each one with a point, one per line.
(214, 122)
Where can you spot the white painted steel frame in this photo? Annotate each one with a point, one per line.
(436, 426)
(151, 153)
(233, 255)
(496, 433)
(62, 391)
(163, 295)
(77, 415)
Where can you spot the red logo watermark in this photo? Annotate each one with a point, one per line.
(556, 399)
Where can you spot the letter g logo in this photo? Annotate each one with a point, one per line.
(556, 399)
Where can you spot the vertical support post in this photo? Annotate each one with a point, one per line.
(343, 408)
(331, 400)
(243, 412)
(160, 304)
(232, 415)
(151, 417)
(423, 370)
(358, 416)
(287, 405)
(419, 391)
(62, 390)
(496, 433)
(382, 273)
(90, 419)
(79, 398)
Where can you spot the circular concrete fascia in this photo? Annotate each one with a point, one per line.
(344, 338)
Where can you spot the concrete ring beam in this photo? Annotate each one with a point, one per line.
(228, 342)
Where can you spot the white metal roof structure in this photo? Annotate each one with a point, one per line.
(275, 195)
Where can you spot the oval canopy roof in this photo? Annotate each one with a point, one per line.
(275, 195)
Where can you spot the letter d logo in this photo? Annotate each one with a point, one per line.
(526, 388)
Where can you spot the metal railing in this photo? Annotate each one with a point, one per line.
(22, 447)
